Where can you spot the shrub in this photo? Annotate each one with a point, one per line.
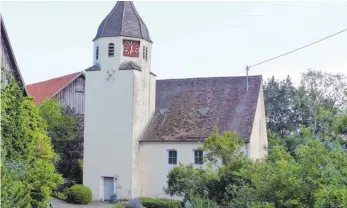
(160, 203)
(120, 205)
(197, 202)
(79, 194)
(134, 203)
(59, 195)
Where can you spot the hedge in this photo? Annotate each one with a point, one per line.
(79, 194)
(160, 203)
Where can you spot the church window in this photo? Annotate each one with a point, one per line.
(110, 50)
(198, 157)
(173, 157)
(97, 53)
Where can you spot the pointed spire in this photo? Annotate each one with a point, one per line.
(123, 20)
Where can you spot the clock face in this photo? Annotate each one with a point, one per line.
(131, 48)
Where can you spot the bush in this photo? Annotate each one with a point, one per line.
(160, 203)
(79, 194)
(197, 202)
(134, 203)
(120, 205)
(59, 195)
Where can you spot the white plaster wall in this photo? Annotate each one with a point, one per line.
(116, 114)
(108, 123)
(152, 93)
(258, 139)
(141, 112)
(155, 167)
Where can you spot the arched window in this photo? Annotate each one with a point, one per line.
(97, 53)
(110, 50)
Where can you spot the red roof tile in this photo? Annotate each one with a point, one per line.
(46, 89)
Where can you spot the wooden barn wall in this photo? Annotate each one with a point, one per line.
(73, 95)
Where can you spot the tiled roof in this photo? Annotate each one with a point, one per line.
(123, 20)
(46, 89)
(190, 109)
(187, 109)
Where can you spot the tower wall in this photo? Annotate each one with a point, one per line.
(117, 111)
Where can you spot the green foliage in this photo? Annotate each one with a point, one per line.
(64, 129)
(79, 194)
(285, 106)
(223, 152)
(221, 148)
(331, 196)
(160, 203)
(59, 195)
(313, 104)
(187, 181)
(340, 124)
(309, 174)
(198, 202)
(28, 175)
(120, 205)
(15, 190)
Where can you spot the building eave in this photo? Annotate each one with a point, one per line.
(67, 84)
(12, 56)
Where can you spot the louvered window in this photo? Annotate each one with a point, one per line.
(146, 53)
(110, 50)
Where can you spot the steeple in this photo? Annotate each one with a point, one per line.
(123, 20)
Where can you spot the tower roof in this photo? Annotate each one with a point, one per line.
(123, 20)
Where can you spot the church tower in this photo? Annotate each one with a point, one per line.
(119, 103)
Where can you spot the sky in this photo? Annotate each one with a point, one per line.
(190, 39)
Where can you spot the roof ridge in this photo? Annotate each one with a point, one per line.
(70, 81)
(107, 17)
(121, 25)
(208, 77)
(54, 78)
(137, 16)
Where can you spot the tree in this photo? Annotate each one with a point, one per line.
(220, 185)
(28, 175)
(319, 97)
(323, 90)
(286, 110)
(313, 174)
(65, 129)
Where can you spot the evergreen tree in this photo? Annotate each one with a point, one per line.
(28, 174)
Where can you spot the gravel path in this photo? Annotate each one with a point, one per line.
(62, 204)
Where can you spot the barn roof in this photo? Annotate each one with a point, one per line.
(123, 20)
(47, 89)
(7, 44)
(190, 109)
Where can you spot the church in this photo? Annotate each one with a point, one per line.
(136, 128)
